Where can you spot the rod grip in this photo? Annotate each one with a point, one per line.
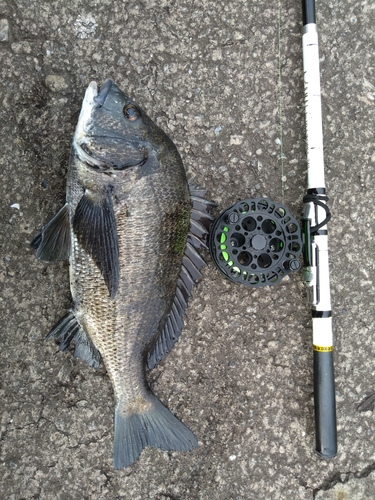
(325, 405)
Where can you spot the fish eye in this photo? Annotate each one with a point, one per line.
(131, 113)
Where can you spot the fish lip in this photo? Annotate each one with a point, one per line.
(91, 92)
(88, 105)
(103, 94)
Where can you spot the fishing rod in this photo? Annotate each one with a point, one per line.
(257, 242)
(314, 222)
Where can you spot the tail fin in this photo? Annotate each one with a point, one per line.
(157, 427)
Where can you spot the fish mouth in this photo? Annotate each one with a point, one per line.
(90, 95)
(92, 99)
(88, 104)
(103, 94)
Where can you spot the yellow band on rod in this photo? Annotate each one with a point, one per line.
(321, 348)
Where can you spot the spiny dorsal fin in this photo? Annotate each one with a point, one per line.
(53, 242)
(192, 262)
(68, 330)
(94, 224)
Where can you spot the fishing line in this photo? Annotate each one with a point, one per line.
(256, 241)
(280, 87)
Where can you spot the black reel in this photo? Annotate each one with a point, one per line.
(256, 242)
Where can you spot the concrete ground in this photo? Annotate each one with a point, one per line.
(241, 376)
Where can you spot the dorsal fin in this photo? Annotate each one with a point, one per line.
(192, 262)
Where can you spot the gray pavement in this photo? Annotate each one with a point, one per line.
(241, 375)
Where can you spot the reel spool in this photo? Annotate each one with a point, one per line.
(256, 242)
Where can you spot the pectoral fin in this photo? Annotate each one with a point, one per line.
(94, 224)
(53, 242)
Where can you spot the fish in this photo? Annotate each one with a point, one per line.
(132, 227)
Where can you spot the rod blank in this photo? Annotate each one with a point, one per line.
(308, 12)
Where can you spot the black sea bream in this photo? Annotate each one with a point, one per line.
(131, 227)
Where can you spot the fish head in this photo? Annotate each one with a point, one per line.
(111, 133)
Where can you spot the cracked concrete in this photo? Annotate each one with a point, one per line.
(241, 375)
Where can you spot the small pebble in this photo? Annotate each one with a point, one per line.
(56, 83)
(4, 30)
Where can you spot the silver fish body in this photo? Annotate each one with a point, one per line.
(130, 228)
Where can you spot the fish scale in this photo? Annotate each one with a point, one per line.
(130, 228)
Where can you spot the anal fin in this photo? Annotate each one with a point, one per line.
(53, 242)
(68, 330)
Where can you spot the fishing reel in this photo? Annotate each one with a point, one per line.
(256, 242)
